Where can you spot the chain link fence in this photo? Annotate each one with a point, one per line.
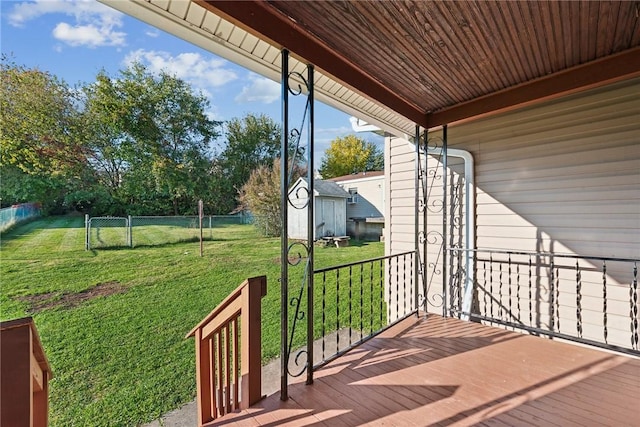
(104, 232)
(132, 231)
(17, 213)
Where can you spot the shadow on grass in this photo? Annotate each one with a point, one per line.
(352, 242)
(155, 245)
(361, 243)
(41, 223)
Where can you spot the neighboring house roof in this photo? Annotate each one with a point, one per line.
(358, 175)
(324, 188)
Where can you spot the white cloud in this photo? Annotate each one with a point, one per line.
(260, 89)
(94, 24)
(152, 33)
(88, 35)
(201, 72)
(82, 10)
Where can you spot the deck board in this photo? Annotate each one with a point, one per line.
(443, 372)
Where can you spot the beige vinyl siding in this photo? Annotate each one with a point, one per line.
(563, 177)
(370, 197)
(540, 169)
(399, 196)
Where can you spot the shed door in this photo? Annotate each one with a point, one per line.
(328, 218)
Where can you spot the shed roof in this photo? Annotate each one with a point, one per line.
(324, 188)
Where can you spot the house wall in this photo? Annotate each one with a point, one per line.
(370, 204)
(370, 197)
(563, 177)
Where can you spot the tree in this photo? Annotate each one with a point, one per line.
(19, 186)
(149, 140)
(41, 153)
(251, 142)
(261, 195)
(350, 154)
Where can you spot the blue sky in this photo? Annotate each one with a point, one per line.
(75, 39)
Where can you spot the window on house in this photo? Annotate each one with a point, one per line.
(353, 195)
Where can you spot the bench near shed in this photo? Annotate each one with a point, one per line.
(339, 241)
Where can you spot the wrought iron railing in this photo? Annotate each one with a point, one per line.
(356, 301)
(592, 300)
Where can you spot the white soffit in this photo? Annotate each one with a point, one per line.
(193, 23)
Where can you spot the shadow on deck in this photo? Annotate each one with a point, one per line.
(440, 371)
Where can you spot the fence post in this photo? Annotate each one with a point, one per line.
(200, 218)
(130, 231)
(87, 242)
(251, 355)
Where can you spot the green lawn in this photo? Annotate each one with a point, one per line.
(113, 321)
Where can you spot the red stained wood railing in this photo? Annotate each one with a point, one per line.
(228, 352)
(24, 375)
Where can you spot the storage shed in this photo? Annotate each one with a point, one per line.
(330, 209)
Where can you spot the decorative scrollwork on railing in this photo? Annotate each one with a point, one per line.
(421, 206)
(435, 144)
(295, 134)
(297, 90)
(436, 300)
(298, 253)
(301, 200)
(633, 294)
(434, 237)
(300, 364)
(436, 206)
(456, 205)
(455, 287)
(435, 269)
(457, 222)
(295, 258)
(430, 178)
(456, 279)
(299, 256)
(422, 302)
(604, 301)
(435, 174)
(299, 315)
(579, 299)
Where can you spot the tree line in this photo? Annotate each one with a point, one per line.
(138, 143)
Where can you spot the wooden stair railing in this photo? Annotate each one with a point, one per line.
(24, 375)
(228, 352)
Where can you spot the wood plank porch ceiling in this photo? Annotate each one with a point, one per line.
(438, 62)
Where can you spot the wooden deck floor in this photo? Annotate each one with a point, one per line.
(437, 371)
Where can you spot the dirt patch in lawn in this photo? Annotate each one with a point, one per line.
(40, 302)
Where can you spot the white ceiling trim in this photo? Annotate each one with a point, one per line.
(194, 24)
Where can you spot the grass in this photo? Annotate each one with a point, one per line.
(113, 321)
